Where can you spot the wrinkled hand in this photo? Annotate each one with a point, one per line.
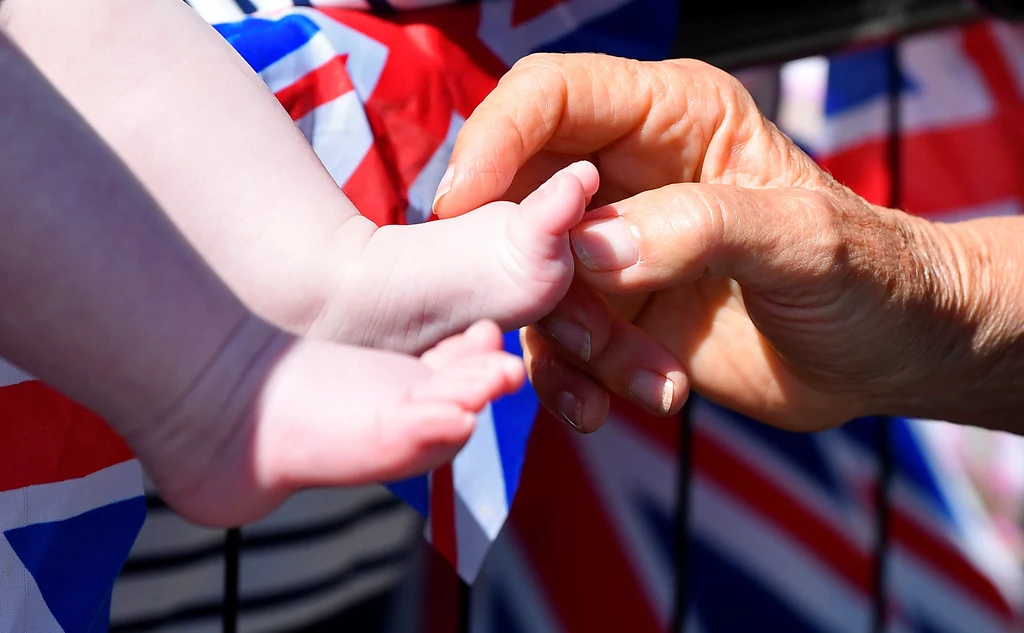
(715, 253)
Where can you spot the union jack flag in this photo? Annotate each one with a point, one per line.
(70, 506)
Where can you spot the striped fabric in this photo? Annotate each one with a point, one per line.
(318, 555)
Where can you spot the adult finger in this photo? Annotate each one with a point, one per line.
(574, 104)
(586, 333)
(565, 391)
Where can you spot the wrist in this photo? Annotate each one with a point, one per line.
(966, 282)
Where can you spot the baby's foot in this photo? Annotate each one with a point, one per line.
(410, 286)
(331, 415)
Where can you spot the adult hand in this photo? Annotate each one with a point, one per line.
(721, 256)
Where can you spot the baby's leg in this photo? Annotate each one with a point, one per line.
(410, 285)
(224, 160)
(205, 136)
(330, 415)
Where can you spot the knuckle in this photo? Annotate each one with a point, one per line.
(544, 65)
(824, 231)
(708, 220)
(529, 101)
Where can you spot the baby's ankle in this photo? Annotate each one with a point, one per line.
(181, 444)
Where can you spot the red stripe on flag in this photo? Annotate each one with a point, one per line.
(779, 507)
(913, 536)
(441, 596)
(831, 547)
(944, 170)
(863, 168)
(374, 192)
(407, 130)
(570, 542)
(662, 431)
(323, 85)
(991, 62)
(459, 24)
(442, 514)
(956, 166)
(48, 438)
(426, 79)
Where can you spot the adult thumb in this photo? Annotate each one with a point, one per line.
(778, 240)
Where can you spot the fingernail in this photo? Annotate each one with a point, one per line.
(653, 390)
(572, 337)
(571, 409)
(444, 187)
(606, 245)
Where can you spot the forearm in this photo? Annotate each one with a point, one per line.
(101, 297)
(976, 272)
(205, 136)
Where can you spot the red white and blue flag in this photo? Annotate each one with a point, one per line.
(70, 506)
